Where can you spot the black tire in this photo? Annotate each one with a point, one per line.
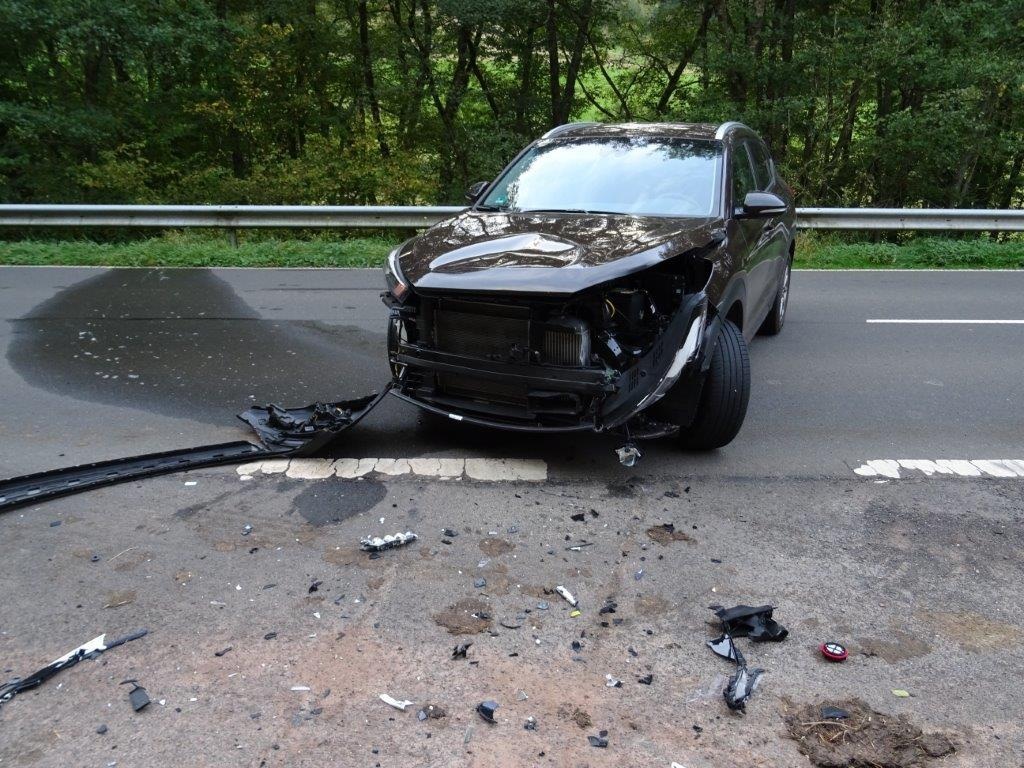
(772, 324)
(723, 400)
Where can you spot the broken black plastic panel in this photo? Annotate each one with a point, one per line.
(282, 432)
(756, 623)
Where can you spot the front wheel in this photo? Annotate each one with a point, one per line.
(724, 397)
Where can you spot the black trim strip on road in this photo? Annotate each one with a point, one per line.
(61, 482)
(282, 432)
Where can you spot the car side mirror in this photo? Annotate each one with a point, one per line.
(759, 204)
(475, 191)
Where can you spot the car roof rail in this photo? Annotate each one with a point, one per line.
(731, 125)
(566, 127)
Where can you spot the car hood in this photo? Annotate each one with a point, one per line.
(545, 253)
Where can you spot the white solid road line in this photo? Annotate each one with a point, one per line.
(891, 468)
(947, 322)
(492, 470)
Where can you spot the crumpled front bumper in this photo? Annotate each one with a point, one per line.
(616, 396)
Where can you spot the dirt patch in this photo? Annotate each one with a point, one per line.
(863, 739)
(898, 646)
(972, 631)
(666, 533)
(496, 547)
(579, 716)
(130, 562)
(652, 605)
(119, 598)
(467, 617)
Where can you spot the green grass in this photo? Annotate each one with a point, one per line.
(184, 251)
(269, 250)
(816, 251)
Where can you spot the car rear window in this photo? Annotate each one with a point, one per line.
(636, 175)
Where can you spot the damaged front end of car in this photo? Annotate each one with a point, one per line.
(596, 359)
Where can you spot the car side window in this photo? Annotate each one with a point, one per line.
(762, 165)
(742, 175)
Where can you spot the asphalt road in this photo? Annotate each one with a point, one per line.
(104, 363)
(919, 576)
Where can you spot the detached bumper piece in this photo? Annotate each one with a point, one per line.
(282, 432)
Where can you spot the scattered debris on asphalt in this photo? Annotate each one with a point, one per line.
(646, 679)
(102, 729)
(899, 693)
(246, 529)
(864, 737)
(480, 582)
(468, 616)
(486, 710)
(393, 702)
(315, 586)
(223, 651)
(601, 740)
(567, 596)
(530, 724)
(381, 543)
(270, 635)
(459, 652)
(628, 454)
(833, 713)
(833, 651)
(743, 621)
(431, 712)
(612, 682)
(755, 623)
(666, 533)
(137, 696)
(91, 649)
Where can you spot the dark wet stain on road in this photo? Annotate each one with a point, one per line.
(323, 503)
(182, 343)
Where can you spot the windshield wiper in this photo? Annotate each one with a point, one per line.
(490, 208)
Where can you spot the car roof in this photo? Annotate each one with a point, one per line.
(675, 130)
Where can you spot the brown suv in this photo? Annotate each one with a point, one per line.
(607, 280)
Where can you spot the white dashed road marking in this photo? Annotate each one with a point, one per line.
(892, 468)
(898, 321)
(492, 470)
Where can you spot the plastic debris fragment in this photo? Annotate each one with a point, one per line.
(628, 454)
(833, 651)
(900, 693)
(646, 679)
(834, 713)
(612, 682)
(486, 710)
(756, 623)
(530, 724)
(567, 596)
(740, 686)
(91, 649)
(392, 702)
(380, 543)
(137, 696)
(601, 740)
(459, 652)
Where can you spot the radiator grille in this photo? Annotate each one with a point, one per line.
(562, 346)
(479, 335)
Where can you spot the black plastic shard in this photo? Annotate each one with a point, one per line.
(740, 686)
(486, 710)
(459, 651)
(137, 696)
(756, 623)
(726, 648)
(89, 650)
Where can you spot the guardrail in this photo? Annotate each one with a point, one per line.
(417, 217)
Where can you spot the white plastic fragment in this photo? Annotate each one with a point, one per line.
(567, 595)
(300, 687)
(394, 702)
(378, 543)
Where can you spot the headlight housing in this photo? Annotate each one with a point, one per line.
(396, 284)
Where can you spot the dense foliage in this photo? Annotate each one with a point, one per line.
(865, 102)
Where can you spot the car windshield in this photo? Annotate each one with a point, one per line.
(637, 175)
